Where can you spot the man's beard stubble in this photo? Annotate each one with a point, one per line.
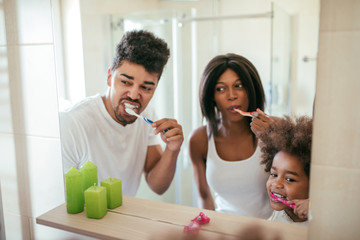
(117, 114)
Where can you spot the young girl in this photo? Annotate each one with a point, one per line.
(286, 151)
(225, 153)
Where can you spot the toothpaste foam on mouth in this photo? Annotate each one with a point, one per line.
(128, 105)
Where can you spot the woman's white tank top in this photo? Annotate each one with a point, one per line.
(239, 187)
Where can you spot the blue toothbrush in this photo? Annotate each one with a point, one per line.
(132, 112)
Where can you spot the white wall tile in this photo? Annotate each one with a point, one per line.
(33, 90)
(2, 27)
(18, 199)
(8, 174)
(7, 159)
(2, 226)
(5, 109)
(335, 198)
(340, 15)
(16, 226)
(337, 89)
(10, 195)
(31, 179)
(28, 22)
(45, 174)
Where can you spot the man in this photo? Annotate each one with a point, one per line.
(100, 130)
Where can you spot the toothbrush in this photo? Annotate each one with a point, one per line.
(247, 114)
(282, 200)
(132, 112)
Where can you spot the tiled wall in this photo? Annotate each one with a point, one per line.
(335, 171)
(31, 168)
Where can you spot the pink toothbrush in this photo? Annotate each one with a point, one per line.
(282, 200)
(247, 114)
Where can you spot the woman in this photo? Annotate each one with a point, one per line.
(225, 153)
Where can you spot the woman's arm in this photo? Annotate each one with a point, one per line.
(198, 144)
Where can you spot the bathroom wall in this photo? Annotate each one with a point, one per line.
(30, 172)
(335, 170)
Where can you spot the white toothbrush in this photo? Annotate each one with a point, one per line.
(132, 112)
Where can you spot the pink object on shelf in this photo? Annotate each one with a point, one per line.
(282, 200)
(193, 227)
(202, 218)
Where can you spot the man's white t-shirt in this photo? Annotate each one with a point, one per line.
(88, 132)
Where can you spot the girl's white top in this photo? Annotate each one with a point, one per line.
(281, 216)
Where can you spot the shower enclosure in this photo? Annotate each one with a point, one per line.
(263, 38)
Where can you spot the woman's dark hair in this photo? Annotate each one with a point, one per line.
(293, 136)
(143, 48)
(248, 76)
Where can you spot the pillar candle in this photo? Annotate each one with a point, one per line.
(113, 191)
(95, 202)
(89, 175)
(74, 192)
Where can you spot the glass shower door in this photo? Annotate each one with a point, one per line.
(279, 89)
(170, 99)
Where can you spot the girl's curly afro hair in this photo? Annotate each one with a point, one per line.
(292, 136)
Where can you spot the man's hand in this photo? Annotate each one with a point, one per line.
(173, 136)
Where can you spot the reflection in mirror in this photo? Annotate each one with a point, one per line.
(275, 37)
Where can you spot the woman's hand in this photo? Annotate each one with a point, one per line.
(260, 122)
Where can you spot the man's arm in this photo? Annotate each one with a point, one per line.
(160, 166)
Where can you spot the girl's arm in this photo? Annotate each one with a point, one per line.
(198, 150)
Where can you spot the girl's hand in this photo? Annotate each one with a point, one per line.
(301, 208)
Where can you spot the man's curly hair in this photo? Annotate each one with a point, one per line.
(292, 136)
(143, 48)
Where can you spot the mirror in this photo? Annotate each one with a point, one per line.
(279, 38)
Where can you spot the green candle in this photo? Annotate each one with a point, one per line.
(114, 192)
(89, 175)
(74, 193)
(95, 202)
